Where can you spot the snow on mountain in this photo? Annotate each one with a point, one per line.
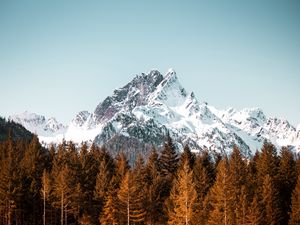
(45, 128)
(139, 115)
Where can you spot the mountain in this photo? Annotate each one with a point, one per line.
(48, 130)
(139, 115)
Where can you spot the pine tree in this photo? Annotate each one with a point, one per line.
(267, 163)
(109, 215)
(183, 197)
(130, 204)
(64, 190)
(237, 184)
(287, 181)
(169, 158)
(254, 213)
(32, 165)
(168, 162)
(10, 183)
(187, 155)
(270, 202)
(87, 179)
(103, 180)
(122, 166)
(204, 175)
(218, 196)
(295, 207)
(45, 191)
(153, 184)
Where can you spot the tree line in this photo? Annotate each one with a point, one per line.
(86, 185)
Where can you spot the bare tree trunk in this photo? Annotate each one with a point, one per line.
(66, 215)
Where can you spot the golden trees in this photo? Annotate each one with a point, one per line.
(183, 196)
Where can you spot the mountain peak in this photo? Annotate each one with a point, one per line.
(151, 105)
(171, 71)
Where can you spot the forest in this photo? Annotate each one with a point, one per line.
(67, 184)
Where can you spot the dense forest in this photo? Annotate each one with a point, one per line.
(86, 185)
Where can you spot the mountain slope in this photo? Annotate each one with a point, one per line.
(139, 115)
(48, 130)
(151, 105)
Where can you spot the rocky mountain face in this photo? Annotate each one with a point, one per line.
(139, 115)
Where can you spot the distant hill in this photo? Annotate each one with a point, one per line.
(17, 131)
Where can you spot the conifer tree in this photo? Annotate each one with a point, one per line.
(10, 183)
(219, 196)
(183, 197)
(287, 181)
(204, 175)
(153, 184)
(168, 162)
(109, 214)
(270, 202)
(103, 180)
(32, 165)
(45, 191)
(122, 166)
(87, 179)
(254, 213)
(236, 184)
(295, 207)
(267, 163)
(169, 158)
(63, 190)
(130, 201)
(187, 155)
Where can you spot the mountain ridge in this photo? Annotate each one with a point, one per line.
(152, 105)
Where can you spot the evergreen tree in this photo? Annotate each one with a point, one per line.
(187, 155)
(267, 163)
(237, 184)
(183, 197)
(169, 158)
(287, 181)
(270, 201)
(87, 179)
(7, 198)
(103, 179)
(295, 207)
(45, 191)
(204, 175)
(219, 196)
(109, 215)
(11, 191)
(130, 201)
(63, 190)
(168, 162)
(152, 189)
(122, 166)
(32, 165)
(254, 213)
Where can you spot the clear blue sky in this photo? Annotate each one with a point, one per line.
(61, 57)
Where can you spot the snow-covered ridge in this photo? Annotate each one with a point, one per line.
(39, 124)
(151, 105)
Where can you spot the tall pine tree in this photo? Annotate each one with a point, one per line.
(183, 197)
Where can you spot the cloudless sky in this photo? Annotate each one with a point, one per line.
(60, 57)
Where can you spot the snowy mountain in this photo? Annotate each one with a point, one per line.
(138, 116)
(46, 129)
